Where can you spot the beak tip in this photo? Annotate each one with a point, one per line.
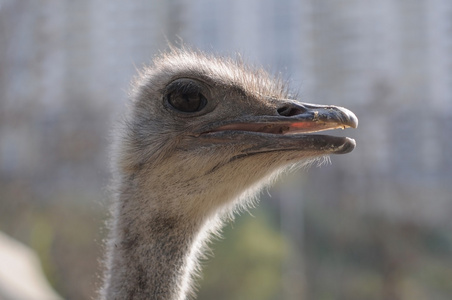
(347, 147)
(352, 119)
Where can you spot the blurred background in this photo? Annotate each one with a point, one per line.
(375, 224)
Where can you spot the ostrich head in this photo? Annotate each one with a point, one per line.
(207, 129)
(201, 136)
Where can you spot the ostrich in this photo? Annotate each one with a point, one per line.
(202, 135)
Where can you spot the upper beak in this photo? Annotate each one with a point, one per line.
(296, 118)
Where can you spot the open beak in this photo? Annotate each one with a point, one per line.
(290, 130)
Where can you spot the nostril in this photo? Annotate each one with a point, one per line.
(290, 110)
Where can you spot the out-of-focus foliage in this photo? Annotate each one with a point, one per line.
(248, 263)
(362, 257)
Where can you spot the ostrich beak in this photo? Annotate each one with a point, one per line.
(289, 129)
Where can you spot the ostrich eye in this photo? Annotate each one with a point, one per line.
(186, 96)
(187, 102)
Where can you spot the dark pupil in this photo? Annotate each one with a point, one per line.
(186, 102)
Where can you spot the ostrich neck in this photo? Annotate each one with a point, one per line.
(152, 253)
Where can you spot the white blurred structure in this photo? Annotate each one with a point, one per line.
(21, 276)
